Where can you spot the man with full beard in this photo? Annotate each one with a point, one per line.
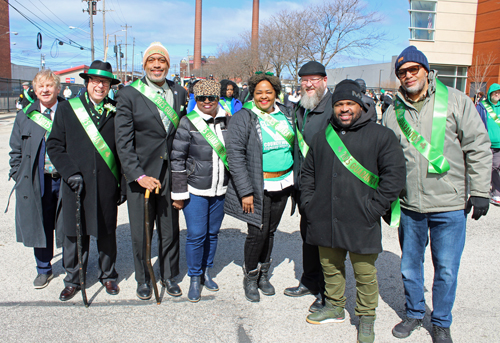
(311, 115)
(448, 157)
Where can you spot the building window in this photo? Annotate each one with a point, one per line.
(422, 19)
(451, 76)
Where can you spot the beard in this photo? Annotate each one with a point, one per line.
(417, 88)
(310, 102)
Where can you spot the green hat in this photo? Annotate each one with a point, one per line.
(101, 69)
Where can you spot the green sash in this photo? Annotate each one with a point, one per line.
(280, 127)
(304, 148)
(209, 136)
(158, 100)
(358, 170)
(225, 106)
(27, 96)
(433, 153)
(95, 136)
(491, 111)
(40, 119)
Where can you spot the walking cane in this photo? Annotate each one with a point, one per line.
(79, 247)
(148, 242)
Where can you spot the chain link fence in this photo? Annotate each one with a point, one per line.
(10, 90)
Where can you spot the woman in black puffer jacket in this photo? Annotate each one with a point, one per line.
(199, 182)
(260, 156)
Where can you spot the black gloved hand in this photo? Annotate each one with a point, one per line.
(75, 182)
(480, 204)
(123, 198)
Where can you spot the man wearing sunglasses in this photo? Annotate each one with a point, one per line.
(310, 116)
(147, 117)
(447, 152)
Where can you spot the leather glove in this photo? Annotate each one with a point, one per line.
(75, 182)
(480, 204)
(123, 198)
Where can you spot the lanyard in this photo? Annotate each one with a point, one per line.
(363, 174)
(433, 153)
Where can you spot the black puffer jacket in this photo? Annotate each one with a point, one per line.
(193, 158)
(244, 155)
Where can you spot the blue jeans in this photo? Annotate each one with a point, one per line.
(203, 219)
(447, 238)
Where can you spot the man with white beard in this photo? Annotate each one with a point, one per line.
(311, 115)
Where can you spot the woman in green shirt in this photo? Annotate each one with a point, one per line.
(260, 157)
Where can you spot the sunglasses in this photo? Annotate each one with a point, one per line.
(413, 70)
(203, 98)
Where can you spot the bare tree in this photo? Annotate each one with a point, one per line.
(274, 45)
(341, 26)
(479, 72)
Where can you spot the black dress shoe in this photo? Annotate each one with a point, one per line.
(143, 291)
(68, 292)
(298, 291)
(172, 287)
(111, 287)
(317, 305)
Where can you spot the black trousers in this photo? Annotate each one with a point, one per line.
(166, 220)
(106, 246)
(312, 276)
(259, 241)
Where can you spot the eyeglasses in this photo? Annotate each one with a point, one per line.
(413, 70)
(203, 98)
(313, 81)
(96, 82)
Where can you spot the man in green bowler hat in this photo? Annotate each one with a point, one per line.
(82, 148)
(448, 162)
(353, 172)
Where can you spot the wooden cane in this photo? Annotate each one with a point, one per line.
(149, 237)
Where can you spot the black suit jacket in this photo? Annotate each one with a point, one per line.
(141, 139)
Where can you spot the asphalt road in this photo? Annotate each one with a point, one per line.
(29, 315)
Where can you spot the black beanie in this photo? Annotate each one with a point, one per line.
(348, 90)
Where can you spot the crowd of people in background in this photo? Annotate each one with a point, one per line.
(420, 158)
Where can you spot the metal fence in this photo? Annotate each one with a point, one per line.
(10, 90)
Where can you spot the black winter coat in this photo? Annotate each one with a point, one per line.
(244, 155)
(316, 121)
(192, 160)
(341, 210)
(72, 152)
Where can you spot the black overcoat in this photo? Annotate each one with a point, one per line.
(25, 142)
(341, 210)
(72, 152)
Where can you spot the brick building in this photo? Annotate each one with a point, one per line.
(5, 71)
(485, 67)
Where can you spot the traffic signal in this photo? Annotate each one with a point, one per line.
(94, 7)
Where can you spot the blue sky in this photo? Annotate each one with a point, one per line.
(170, 22)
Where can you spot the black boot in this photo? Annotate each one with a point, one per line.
(250, 285)
(194, 289)
(264, 284)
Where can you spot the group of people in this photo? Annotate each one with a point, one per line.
(422, 170)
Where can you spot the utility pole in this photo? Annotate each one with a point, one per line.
(104, 42)
(189, 72)
(116, 54)
(126, 55)
(133, 49)
(92, 10)
(42, 61)
(121, 73)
